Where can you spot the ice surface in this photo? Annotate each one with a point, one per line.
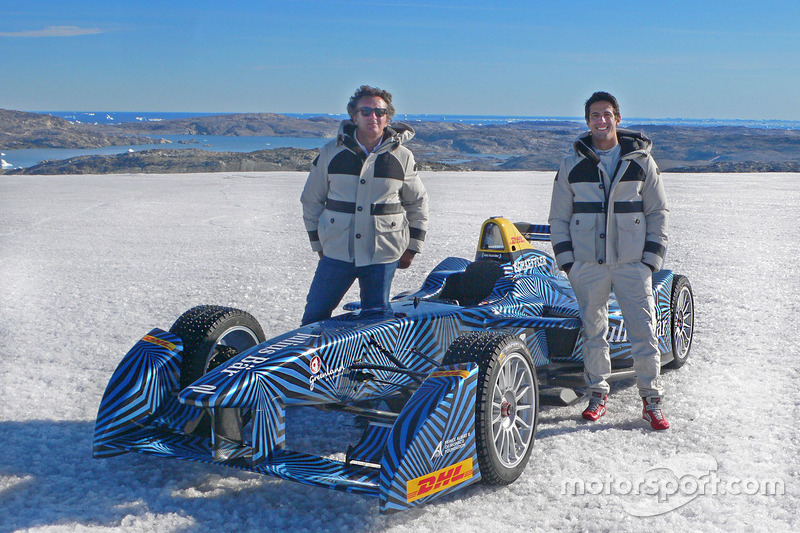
(88, 264)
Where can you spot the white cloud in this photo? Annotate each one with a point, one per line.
(53, 31)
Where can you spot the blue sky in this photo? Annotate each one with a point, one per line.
(716, 59)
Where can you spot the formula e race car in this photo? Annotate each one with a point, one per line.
(445, 387)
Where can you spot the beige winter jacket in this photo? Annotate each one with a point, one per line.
(365, 208)
(621, 223)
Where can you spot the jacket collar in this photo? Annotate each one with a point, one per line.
(631, 143)
(394, 135)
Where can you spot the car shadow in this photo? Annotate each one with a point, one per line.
(48, 477)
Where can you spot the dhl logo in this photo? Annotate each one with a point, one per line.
(450, 373)
(438, 481)
(155, 340)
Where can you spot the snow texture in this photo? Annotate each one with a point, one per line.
(88, 264)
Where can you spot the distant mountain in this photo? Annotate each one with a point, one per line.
(19, 129)
(169, 161)
(523, 145)
(240, 124)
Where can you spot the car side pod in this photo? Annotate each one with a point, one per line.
(431, 448)
(154, 360)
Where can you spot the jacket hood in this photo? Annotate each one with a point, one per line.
(630, 141)
(396, 133)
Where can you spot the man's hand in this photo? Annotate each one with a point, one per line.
(406, 259)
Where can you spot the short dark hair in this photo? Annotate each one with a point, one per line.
(366, 90)
(601, 96)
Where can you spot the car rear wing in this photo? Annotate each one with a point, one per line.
(533, 232)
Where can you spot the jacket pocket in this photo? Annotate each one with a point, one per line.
(334, 231)
(391, 237)
(582, 229)
(631, 233)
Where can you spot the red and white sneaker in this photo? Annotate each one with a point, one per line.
(597, 406)
(652, 413)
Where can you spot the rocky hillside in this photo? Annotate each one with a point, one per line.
(177, 161)
(527, 145)
(164, 161)
(241, 124)
(19, 129)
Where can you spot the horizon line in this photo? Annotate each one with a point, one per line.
(466, 115)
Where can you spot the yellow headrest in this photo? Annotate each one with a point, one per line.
(498, 235)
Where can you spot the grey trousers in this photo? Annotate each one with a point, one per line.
(632, 286)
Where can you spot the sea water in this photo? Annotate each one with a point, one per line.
(26, 157)
(119, 117)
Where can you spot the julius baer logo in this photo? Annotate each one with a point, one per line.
(253, 360)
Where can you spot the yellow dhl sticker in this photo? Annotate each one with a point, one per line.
(155, 340)
(439, 480)
(450, 373)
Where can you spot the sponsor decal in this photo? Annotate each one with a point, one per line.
(203, 389)
(252, 360)
(529, 263)
(336, 372)
(488, 255)
(450, 445)
(518, 239)
(316, 364)
(155, 340)
(294, 340)
(618, 333)
(245, 364)
(450, 373)
(438, 481)
(663, 326)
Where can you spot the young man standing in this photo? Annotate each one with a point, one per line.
(608, 218)
(364, 207)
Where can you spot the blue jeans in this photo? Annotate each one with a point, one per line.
(334, 278)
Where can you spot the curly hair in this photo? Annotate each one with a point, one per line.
(366, 90)
(601, 96)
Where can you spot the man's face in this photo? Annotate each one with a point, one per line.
(603, 124)
(372, 125)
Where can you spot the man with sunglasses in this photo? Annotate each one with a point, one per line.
(364, 207)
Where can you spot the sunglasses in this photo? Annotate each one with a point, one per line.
(367, 111)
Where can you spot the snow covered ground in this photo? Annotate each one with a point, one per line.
(88, 264)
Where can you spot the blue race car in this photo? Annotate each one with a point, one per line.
(446, 388)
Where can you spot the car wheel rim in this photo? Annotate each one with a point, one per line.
(513, 410)
(684, 323)
(239, 338)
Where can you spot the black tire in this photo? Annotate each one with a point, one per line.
(506, 411)
(211, 335)
(681, 320)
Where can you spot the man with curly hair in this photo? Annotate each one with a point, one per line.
(364, 207)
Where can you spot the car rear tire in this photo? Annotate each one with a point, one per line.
(681, 320)
(506, 404)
